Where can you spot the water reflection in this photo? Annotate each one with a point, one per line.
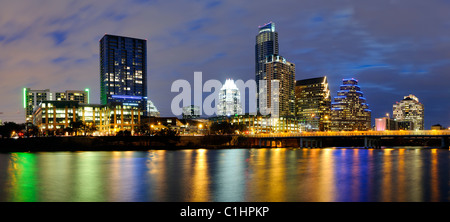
(228, 175)
(22, 179)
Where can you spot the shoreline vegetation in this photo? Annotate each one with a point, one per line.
(141, 143)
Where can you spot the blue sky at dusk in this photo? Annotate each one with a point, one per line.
(393, 47)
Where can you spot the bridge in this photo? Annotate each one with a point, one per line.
(366, 139)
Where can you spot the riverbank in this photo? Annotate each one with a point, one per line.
(129, 143)
(115, 143)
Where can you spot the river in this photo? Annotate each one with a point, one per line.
(228, 175)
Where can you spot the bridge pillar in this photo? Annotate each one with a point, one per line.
(444, 142)
(372, 142)
(301, 142)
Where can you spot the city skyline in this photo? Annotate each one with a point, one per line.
(58, 49)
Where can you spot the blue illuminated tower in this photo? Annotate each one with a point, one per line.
(349, 111)
(123, 71)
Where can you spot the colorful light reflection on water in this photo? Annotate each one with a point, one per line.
(228, 175)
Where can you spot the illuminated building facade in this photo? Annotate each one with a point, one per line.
(72, 95)
(266, 45)
(410, 110)
(32, 98)
(151, 109)
(123, 71)
(229, 102)
(262, 123)
(109, 119)
(313, 103)
(385, 123)
(277, 68)
(191, 112)
(349, 111)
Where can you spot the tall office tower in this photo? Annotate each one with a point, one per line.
(266, 45)
(410, 110)
(229, 100)
(313, 103)
(349, 111)
(123, 71)
(277, 68)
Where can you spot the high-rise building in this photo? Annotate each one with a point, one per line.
(349, 111)
(313, 103)
(32, 98)
(123, 71)
(410, 110)
(229, 102)
(266, 45)
(277, 68)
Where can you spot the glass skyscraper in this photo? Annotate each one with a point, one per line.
(349, 111)
(123, 71)
(266, 45)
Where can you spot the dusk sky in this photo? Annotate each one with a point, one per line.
(393, 47)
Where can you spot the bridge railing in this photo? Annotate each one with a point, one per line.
(357, 133)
